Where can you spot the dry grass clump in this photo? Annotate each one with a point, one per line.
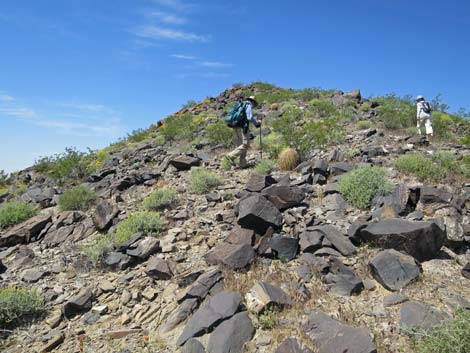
(288, 159)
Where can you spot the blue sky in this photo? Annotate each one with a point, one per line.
(84, 72)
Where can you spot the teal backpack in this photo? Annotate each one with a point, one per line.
(236, 116)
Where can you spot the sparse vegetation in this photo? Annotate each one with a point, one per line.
(19, 303)
(160, 199)
(396, 112)
(96, 251)
(202, 180)
(265, 166)
(71, 164)
(451, 337)
(145, 222)
(361, 185)
(465, 166)
(219, 134)
(288, 159)
(322, 108)
(79, 198)
(180, 126)
(14, 212)
(268, 319)
(364, 124)
(420, 166)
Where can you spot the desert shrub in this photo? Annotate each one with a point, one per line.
(179, 126)
(219, 134)
(159, 140)
(322, 108)
(451, 337)
(71, 164)
(288, 159)
(272, 144)
(4, 178)
(465, 140)
(145, 222)
(226, 164)
(79, 198)
(361, 185)
(269, 318)
(265, 166)
(189, 104)
(465, 166)
(18, 303)
(202, 181)
(96, 251)
(442, 125)
(445, 159)
(364, 124)
(396, 112)
(160, 199)
(138, 135)
(14, 212)
(421, 167)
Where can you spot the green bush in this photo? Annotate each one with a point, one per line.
(421, 167)
(160, 199)
(145, 222)
(465, 166)
(266, 166)
(446, 160)
(15, 212)
(179, 126)
(202, 181)
(451, 337)
(465, 140)
(271, 144)
(322, 108)
(138, 135)
(79, 198)
(361, 185)
(18, 303)
(442, 125)
(364, 124)
(96, 251)
(71, 164)
(219, 134)
(396, 112)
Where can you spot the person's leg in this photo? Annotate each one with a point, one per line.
(239, 142)
(244, 149)
(428, 125)
(418, 125)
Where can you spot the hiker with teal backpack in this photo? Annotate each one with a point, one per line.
(239, 118)
(424, 115)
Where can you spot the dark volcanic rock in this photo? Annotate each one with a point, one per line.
(263, 294)
(422, 240)
(240, 235)
(79, 304)
(284, 197)
(220, 307)
(234, 256)
(117, 261)
(340, 168)
(311, 241)
(258, 182)
(231, 335)
(184, 162)
(285, 248)
(24, 232)
(104, 214)
(257, 213)
(43, 197)
(341, 279)
(160, 269)
(337, 239)
(394, 270)
(3, 268)
(193, 346)
(201, 287)
(185, 309)
(333, 336)
(434, 195)
(421, 316)
(144, 248)
(291, 345)
(466, 270)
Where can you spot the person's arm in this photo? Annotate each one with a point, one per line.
(250, 117)
(418, 109)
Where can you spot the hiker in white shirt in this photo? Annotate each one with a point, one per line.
(424, 115)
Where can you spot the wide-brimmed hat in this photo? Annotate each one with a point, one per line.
(419, 98)
(253, 100)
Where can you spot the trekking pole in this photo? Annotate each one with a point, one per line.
(260, 141)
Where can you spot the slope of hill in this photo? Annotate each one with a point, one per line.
(154, 243)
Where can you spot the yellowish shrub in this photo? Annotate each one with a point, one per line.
(288, 159)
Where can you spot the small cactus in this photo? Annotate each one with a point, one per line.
(288, 159)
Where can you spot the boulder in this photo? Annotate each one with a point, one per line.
(291, 345)
(339, 168)
(3, 268)
(257, 213)
(234, 256)
(320, 166)
(185, 309)
(332, 336)
(104, 214)
(284, 197)
(117, 261)
(284, 248)
(24, 232)
(422, 240)
(310, 241)
(144, 248)
(240, 235)
(231, 335)
(201, 287)
(32, 276)
(80, 303)
(263, 295)
(160, 269)
(394, 270)
(466, 270)
(416, 315)
(193, 346)
(184, 162)
(220, 307)
(44, 197)
(341, 279)
(258, 182)
(434, 195)
(337, 239)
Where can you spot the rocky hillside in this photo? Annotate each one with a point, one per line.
(155, 244)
